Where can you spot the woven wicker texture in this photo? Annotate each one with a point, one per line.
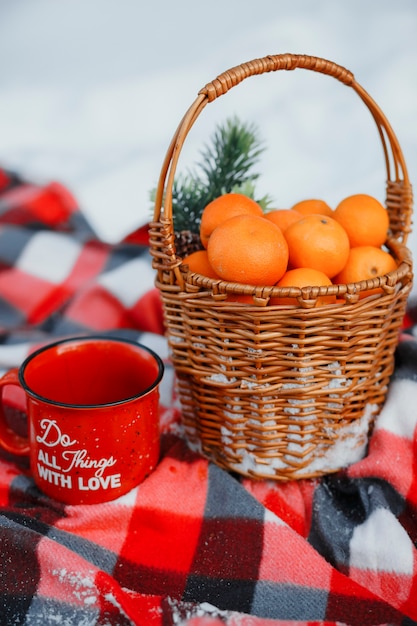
(274, 391)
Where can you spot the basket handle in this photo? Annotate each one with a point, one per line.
(399, 192)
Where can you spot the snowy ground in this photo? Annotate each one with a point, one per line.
(91, 92)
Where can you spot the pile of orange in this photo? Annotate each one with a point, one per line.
(308, 245)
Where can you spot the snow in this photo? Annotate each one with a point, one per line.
(82, 586)
(349, 447)
(335, 449)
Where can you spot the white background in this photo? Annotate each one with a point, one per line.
(91, 92)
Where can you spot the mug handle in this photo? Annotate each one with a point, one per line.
(10, 440)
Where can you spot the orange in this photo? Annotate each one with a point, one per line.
(248, 249)
(223, 207)
(312, 205)
(198, 262)
(319, 242)
(365, 220)
(283, 217)
(303, 277)
(365, 262)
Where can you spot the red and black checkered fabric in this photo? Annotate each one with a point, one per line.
(193, 545)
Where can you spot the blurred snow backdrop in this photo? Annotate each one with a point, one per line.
(91, 92)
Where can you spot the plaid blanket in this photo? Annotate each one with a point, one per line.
(193, 545)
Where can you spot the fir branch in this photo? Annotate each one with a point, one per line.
(225, 166)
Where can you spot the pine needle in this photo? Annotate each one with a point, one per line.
(226, 166)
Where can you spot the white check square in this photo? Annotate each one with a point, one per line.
(49, 256)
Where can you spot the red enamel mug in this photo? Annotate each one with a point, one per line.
(93, 417)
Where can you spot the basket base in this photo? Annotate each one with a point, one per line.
(348, 448)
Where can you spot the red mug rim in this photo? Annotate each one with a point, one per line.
(90, 338)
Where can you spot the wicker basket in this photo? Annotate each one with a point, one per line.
(281, 392)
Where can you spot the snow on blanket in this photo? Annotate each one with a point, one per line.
(193, 545)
